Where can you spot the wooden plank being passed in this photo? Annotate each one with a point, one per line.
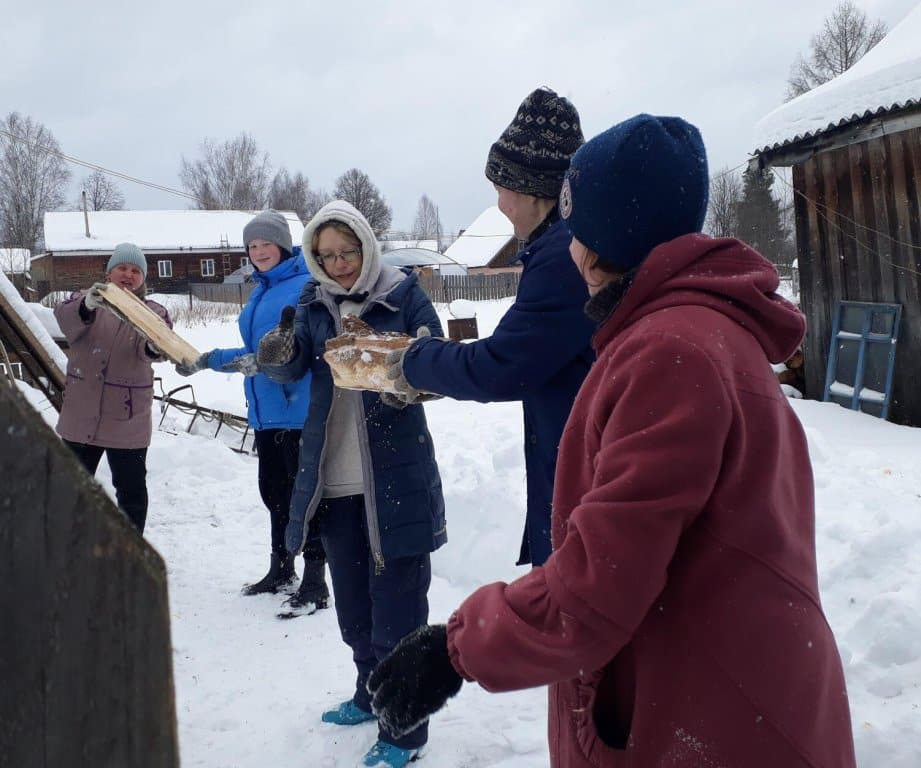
(358, 356)
(148, 323)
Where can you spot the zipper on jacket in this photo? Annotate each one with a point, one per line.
(374, 529)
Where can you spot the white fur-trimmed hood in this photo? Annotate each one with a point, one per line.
(340, 210)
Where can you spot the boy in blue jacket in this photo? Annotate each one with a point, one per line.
(277, 412)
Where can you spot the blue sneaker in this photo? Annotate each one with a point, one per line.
(347, 713)
(384, 755)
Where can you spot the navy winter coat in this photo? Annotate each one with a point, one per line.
(403, 494)
(271, 405)
(539, 353)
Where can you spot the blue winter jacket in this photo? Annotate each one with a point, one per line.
(271, 405)
(539, 353)
(403, 494)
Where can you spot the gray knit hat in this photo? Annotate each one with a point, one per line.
(533, 153)
(127, 253)
(271, 226)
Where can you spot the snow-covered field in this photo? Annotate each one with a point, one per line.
(250, 688)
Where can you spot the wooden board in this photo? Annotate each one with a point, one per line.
(85, 651)
(358, 356)
(148, 323)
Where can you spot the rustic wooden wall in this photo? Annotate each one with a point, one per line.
(85, 656)
(858, 233)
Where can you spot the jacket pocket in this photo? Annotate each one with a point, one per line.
(116, 402)
(601, 723)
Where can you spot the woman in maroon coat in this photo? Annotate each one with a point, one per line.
(109, 391)
(678, 620)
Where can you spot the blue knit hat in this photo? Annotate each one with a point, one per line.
(127, 253)
(637, 185)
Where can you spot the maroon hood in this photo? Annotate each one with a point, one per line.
(723, 274)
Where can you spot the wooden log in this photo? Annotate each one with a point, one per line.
(85, 653)
(358, 356)
(148, 323)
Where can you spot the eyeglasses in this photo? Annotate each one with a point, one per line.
(349, 257)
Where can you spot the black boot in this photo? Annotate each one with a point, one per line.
(281, 573)
(311, 595)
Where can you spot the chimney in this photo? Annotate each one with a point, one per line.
(86, 216)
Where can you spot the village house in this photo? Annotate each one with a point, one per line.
(854, 146)
(182, 247)
(487, 245)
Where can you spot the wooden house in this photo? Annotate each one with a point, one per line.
(181, 247)
(854, 146)
(487, 246)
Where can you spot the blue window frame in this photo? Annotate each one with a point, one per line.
(861, 357)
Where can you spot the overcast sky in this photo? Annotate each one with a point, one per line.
(411, 92)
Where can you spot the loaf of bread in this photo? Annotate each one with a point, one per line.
(358, 356)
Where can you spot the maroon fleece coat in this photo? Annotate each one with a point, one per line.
(109, 391)
(678, 619)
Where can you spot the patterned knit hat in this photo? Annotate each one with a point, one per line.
(533, 153)
(635, 186)
(127, 253)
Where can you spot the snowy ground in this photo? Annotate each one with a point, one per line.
(250, 688)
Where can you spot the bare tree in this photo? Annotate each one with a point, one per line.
(722, 210)
(845, 37)
(14, 261)
(293, 193)
(427, 225)
(102, 194)
(356, 187)
(33, 177)
(233, 175)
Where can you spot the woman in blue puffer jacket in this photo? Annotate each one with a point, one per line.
(277, 412)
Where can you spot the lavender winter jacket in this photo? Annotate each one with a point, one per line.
(109, 392)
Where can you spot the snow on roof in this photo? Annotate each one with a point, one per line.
(154, 230)
(415, 257)
(14, 261)
(393, 245)
(489, 233)
(887, 78)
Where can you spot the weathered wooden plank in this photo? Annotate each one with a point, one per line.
(87, 673)
(15, 331)
(148, 323)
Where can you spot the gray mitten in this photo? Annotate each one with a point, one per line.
(93, 298)
(277, 346)
(245, 364)
(393, 401)
(187, 369)
(405, 390)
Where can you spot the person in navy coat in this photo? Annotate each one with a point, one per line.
(276, 412)
(367, 480)
(540, 352)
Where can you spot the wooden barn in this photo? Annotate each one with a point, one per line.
(854, 147)
(181, 246)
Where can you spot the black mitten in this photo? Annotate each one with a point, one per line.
(414, 681)
(277, 346)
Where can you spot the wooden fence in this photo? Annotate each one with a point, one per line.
(444, 289)
(440, 289)
(85, 655)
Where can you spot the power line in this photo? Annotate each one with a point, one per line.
(95, 167)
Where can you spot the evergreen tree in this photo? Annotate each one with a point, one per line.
(759, 219)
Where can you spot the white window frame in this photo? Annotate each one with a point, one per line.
(244, 261)
(165, 268)
(208, 268)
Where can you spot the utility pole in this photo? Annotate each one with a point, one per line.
(86, 216)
